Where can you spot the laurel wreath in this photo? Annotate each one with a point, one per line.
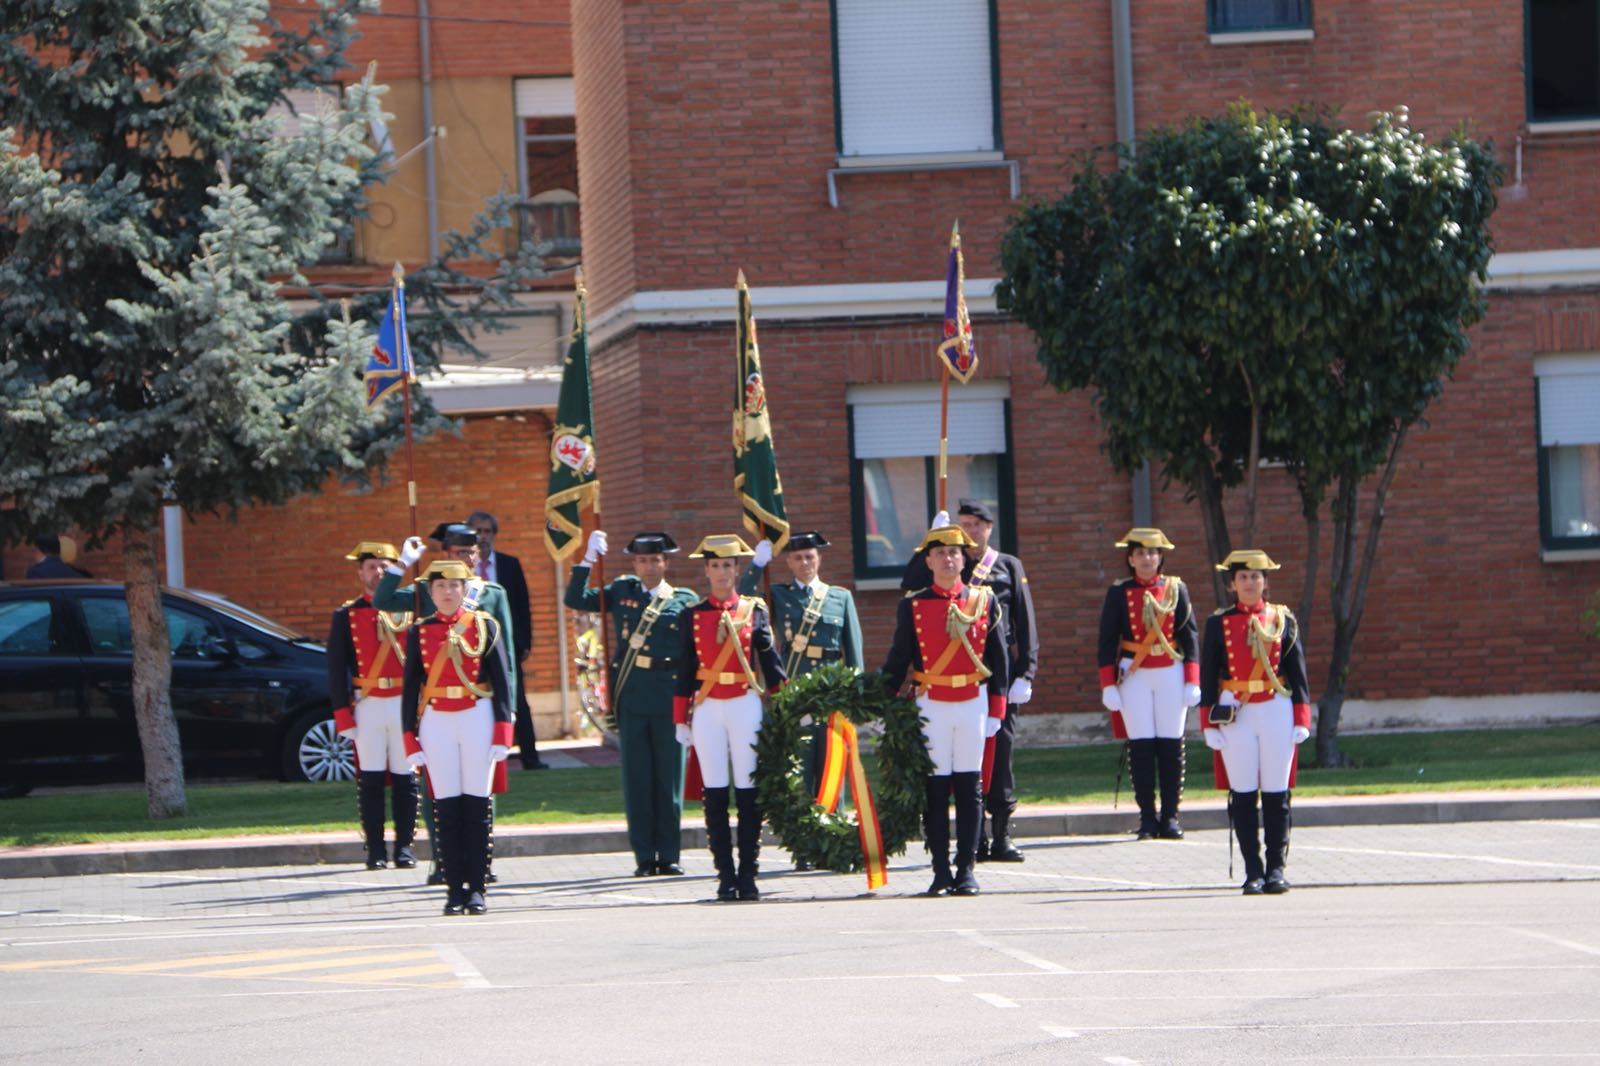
(832, 841)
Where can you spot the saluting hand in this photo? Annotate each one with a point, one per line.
(597, 547)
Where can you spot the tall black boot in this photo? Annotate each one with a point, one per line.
(403, 798)
(969, 810)
(477, 828)
(936, 830)
(1247, 827)
(1003, 850)
(447, 843)
(720, 840)
(370, 787)
(1275, 820)
(1142, 769)
(749, 842)
(1169, 767)
(430, 823)
(489, 877)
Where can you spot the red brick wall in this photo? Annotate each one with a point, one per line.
(605, 175)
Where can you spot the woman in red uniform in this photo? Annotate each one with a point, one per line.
(1255, 707)
(457, 716)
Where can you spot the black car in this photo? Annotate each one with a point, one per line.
(245, 689)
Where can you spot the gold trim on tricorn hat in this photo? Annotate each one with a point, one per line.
(1145, 537)
(1248, 559)
(373, 549)
(722, 546)
(448, 570)
(947, 535)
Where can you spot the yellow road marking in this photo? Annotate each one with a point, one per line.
(387, 974)
(50, 964)
(317, 964)
(244, 956)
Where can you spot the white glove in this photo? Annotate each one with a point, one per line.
(498, 752)
(1228, 699)
(685, 734)
(940, 520)
(349, 734)
(417, 760)
(597, 547)
(1021, 691)
(1191, 695)
(1111, 698)
(411, 551)
(763, 553)
(1215, 740)
(991, 726)
(1301, 734)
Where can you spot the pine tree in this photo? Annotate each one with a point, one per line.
(153, 208)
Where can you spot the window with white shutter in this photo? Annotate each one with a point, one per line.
(1569, 450)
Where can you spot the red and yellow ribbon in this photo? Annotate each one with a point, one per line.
(844, 756)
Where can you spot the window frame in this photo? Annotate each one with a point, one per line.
(1308, 22)
(1548, 540)
(565, 248)
(879, 576)
(1535, 123)
(996, 151)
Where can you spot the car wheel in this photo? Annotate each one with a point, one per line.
(313, 751)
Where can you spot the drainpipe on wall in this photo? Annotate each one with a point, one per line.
(428, 159)
(1122, 78)
(172, 538)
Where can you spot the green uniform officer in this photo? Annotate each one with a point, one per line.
(643, 670)
(459, 542)
(812, 623)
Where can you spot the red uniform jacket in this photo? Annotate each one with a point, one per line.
(1228, 664)
(453, 690)
(921, 637)
(356, 649)
(699, 651)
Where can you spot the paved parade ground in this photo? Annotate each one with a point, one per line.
(1442, 943)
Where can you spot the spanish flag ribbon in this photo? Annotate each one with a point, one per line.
(844, 756)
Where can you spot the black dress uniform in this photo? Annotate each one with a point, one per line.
(1008, 580)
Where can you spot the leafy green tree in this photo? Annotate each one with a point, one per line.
(1264, 286)
(155, 208)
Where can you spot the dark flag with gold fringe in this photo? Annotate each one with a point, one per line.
(573, 479)
(755, 461)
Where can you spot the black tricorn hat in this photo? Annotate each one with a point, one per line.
(655, 543)
(454, 535)
(811, 539)
(977, 509)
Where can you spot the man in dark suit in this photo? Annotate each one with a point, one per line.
(507, 570)
(47, 561)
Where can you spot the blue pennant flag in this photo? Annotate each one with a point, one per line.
(389, 367)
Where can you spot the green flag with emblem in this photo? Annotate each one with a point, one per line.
(755, 460)
(573, 481)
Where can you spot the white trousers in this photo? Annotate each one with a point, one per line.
(1259, 746)
(1152, 702)
(954, 732)
(457, 746)
(726, 730)
(380, 742)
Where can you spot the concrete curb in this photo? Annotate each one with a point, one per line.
(341, 849)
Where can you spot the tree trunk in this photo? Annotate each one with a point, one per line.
(1350, 596)
(1308, 586)
(152, 674)
(1252, 463)
(1215, 518)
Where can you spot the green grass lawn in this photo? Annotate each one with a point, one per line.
(1566, 756)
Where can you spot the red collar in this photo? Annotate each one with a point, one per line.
(1261, 605)
(952, 593)
(450, 619)
(366, 601)
(723, 605)
(1152, 583)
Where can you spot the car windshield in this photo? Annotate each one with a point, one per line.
(244, 615)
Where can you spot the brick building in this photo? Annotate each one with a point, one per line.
(825, 150)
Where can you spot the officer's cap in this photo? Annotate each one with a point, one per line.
(722, 546)
(811, 539)
(656, 543)
(373, 549)
(447, 570)
(454, 535)
(976, 508)
(1247, 559)
(1145, 538)
(947, 535)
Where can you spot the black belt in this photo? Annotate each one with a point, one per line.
(648, 662)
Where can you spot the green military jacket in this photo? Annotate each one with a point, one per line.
(836, 636)
(649, 684)
(491, 598)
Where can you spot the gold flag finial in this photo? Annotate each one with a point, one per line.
(955, 234)
(399, 274)
(741, 283)
(579, 296)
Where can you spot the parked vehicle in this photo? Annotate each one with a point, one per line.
(245, 689)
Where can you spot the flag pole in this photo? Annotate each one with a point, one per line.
(944, 401)
(408, 370)
(579, 324)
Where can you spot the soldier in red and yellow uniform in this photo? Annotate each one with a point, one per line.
(1149, 658)
(951, 640)
(1255, 707)
(457, 711)
(726, 663)
(366, 665)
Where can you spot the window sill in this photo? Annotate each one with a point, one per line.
(1570, 555)
(1261, 36)
(877, 584)
(1556, 128)
(916, 164)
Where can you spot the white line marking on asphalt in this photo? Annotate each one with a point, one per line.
(947, 978)
(271, 879)
(1301, 1026)
(996, 1000)
(1091, 880)
(470, 976)
(1492, 859)
(341, 929)
(97, 919)
(1015, 929)
(1024, 957)
(1118, 1060)
(1060, 1032)
(1547, 938)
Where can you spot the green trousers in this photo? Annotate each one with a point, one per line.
(652, 783)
